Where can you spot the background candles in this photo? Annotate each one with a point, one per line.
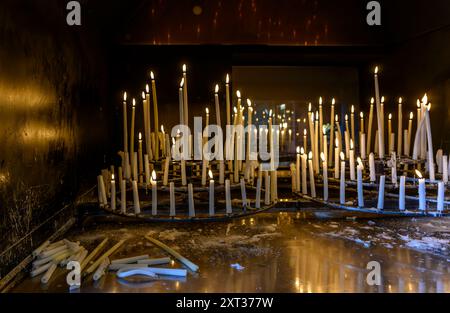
(390, 144)
(379, 116)
(422, 191)
(154, 194)
(141, 161)
(180, 101)
(321, 123)
(216, 101)
(185, 97)
(342, 182)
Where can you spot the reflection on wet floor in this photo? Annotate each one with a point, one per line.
(279, 252)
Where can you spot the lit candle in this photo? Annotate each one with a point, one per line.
(419, 118)
(304, 178)
(422, 191)
(430, 142)
(211, 193)
(359, 172)
(148, 125)
(440, 197)
(311, 175)
(379, 116)
(316, 144)
(191, 200)
(154, 194)
(352, 161)
(373, 176)
(125, 127)
(141, 161)
(113, 193)
(172, 198)
(137, 206)
(361, 122)
(401, 193)
(133, 114)
(227, 92)
(400, 127)
(347, 129)
(325, 145)
(249, 123)
(322, 143)
(352, 121)
(311, 126)
(207, 117)
(347, 144)
(330, 155)
(297, 171)
(369, 130)
(390, 145)
(325, 176)
(228, 208)
(155, 115)
(180, 101)
(342, 183)
(362, 145)
(336, 159)
(185, 97)
(216, 101)
(380, 205)
(445, 169)
(382, 124)
(305, 140)
(123, 196)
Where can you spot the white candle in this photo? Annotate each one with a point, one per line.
(172, 198)
(311, 127)
(147, 170)
(359, 172)
(258, 191)
(382, 124)
(352, 161)
(180, 102)
(311, 175)
(297, 171)
(330, 155)
(422, 191)
(325, 144)
(379, 116)
(362, 146)
(183, 172)
(389, 133)
(216, 101)
(380, 205)
(322, 143)
(342, 182)
(137, 206)
(369, 129)
(316, 155)
(133, 116)
(440, 197)
(191, 200)
(125, 122)
(430, 144)
(336, 159)
(304, 178)
(166, 171)
(141, 161)
(228, 207)
(243, 193)
(148, 127)
(445, 169)
(325, 176)
(154, 184)
(211, 194)
(411, 116)
(400, 127)
(401, 193)
(373, 175)
(305, 140)
(102, 191)
(228, 104)
(439, 154)
(394, 168)
(113, 193)
(267, 188)
(123, 196)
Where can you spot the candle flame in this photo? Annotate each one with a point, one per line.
(400, 100)
(372, 100)
(320, 101)
(249, 103)
(351, 144)
(154, 175)
(419, 174)
(162, 128)
(270, 113)
(173, 141)
(112, 176)
(336, 118)
(210, 174)
(390, 116)
(346, 117)
(342, 155)
(376, 70)
(147, 88)
(182, 83)
(336, 142)
(134, 102)
(425, 99)
(353, 108)
(310, 155)
(184, 68)
(361, 114)
(411, 115)
(305, 131)
(227, 79)
(359, 161)
(322, 156)
(333, 101)
(143, 95)
(429, 107)
(207, 110)
(317, 115)
(302, 151)
(235, 110)
(309, 107)
(324, 130)
(152, 76)
(382, 99)
(290, 132)
(140, 136)
(216, 90)
(125, 96)
(298, 150)
(238, 94)
(418, 103)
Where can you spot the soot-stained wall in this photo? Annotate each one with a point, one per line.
(52, 126)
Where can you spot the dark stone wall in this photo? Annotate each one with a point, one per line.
(52, 121)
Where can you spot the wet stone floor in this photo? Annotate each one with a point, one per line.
(307, 251)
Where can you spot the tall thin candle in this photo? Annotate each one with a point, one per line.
(155, 115)
(330, 153)
(400, 127)
(369, 129)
